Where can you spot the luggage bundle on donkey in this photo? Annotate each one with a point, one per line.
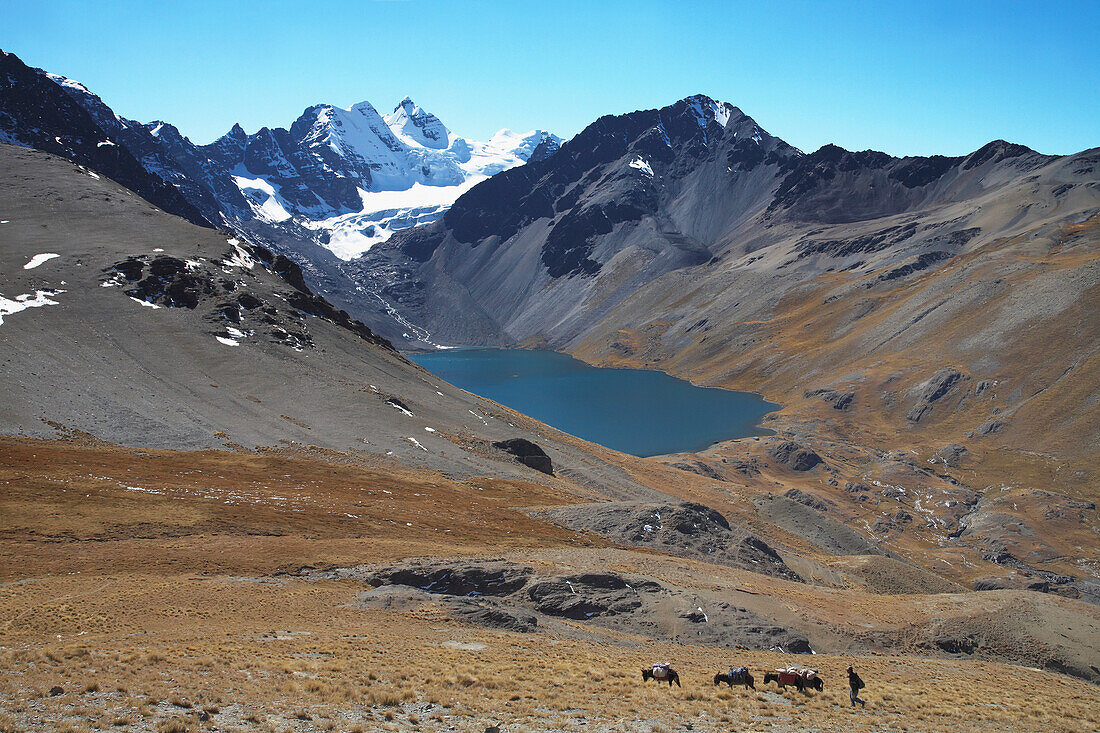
(788, 677)
(800, 677)
(661, 673)
(736, 676)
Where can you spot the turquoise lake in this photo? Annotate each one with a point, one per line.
(645, 413)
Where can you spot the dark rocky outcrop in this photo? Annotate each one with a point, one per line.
(933, 390)
(895, 523)
(951, 454)
(457, 578)
(990, 426)
(170, 281)
(581, 597)
(306, 301)
(794, 456)
(527, 453)
(688, 529)
(291, 273)
(835, 398)
(921, 262)
(810, 500)
(493, 615)
(317, 306)
(511, 597)
(864, 244)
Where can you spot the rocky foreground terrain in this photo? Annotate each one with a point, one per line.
(226, 504)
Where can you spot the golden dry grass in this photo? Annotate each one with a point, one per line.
(330, 662)
(100, 506)
(153, 610)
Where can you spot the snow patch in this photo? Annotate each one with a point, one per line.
(145, 303)
(266, 203)
(39, 259)
(240, 258)
(25, 301)
(643, 165)
(227, 342)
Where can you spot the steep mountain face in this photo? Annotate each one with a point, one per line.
(60, 116)
(545, 251)
(563, 239)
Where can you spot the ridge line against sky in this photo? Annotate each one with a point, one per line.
(907, 78)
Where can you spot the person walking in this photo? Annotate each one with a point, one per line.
(856, 684)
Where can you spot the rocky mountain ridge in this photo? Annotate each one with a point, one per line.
(340, 179)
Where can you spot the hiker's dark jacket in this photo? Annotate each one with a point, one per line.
(854, 681)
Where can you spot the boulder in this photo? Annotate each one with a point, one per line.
(687, 529)
(527, 453)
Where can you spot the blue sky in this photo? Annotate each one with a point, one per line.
(904, 77)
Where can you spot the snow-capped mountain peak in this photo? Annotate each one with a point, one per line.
(355, 176)
(418, 127)
(707, 109)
